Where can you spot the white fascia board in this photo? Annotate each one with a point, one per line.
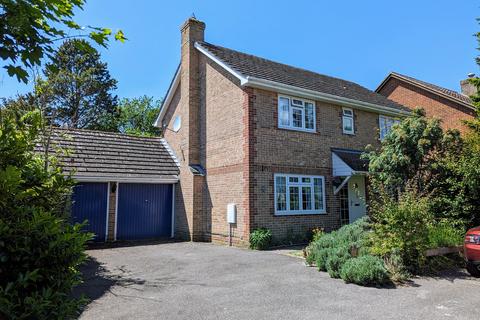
(171, 152)
(319, 96)
(166, 180)
(168, 99)
(236, 74)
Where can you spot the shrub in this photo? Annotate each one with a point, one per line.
(364, 270)
(321, 258)
(39, 252)
(402, 226)
(326, 240)
(352, 236)
(395, 267)
(354, 233)
(260, 239)
(444, 234)
(336, 258)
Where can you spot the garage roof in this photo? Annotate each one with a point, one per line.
(105, 156)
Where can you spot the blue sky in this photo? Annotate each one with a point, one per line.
(360, 41)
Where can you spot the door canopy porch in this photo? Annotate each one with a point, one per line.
(347, 163)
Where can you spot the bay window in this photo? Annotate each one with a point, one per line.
(299, 194)
(296, 114)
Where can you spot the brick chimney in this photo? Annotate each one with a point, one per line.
(192, 30)
(468, 89)
(191, 185)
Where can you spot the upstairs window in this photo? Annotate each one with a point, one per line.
(299, 194)
(296, 114)
(385, 124)
(347, 121)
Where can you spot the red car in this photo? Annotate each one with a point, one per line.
(472, 251)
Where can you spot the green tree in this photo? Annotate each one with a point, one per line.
(418, 156)
(77, 89)
(474, 124)
(469, 164)
(409, 155)
(138, 115)
(39, 251)
(29, 29)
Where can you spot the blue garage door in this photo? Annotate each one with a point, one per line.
(144, 211)
(90, 203)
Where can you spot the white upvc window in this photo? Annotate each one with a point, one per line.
(385, 124)
(299, 194)
(296, 114)
(348, 123)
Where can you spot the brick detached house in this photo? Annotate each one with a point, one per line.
(450, 106)
(277, 146)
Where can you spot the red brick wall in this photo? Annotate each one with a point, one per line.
(222, 152)
(220, 134)
(449, 112)
(285, 151)
(242, 147)
(178, 141)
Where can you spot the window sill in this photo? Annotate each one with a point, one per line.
(298, 129)
(299, 213)
(348, 133)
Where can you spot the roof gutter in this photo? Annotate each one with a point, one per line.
(165, 180)
(319, 96)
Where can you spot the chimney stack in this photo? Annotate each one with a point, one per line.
(468, 89)
(192, 31)
(191, 185)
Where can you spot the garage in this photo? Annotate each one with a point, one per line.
(125, 184)
(144, 211)
(90, 203)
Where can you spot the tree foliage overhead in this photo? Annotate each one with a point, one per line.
(137, 116)
(29, 29)
(77, 89)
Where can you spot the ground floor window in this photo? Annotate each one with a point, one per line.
(299, 194)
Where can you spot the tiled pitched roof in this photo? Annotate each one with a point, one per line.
(253, 66)
(113, 155)
(444, 91)
(352, 158)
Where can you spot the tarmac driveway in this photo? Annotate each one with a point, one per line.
(205, 281)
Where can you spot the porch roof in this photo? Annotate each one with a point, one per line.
(347, 162)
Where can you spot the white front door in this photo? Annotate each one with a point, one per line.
(356, 198)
